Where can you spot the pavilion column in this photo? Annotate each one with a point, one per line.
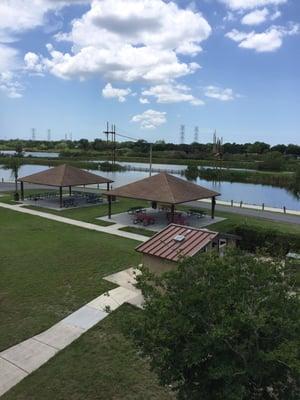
(70, 190)
(60, 197)
(22, 190)
(109, 207)
(107, 186)
(172, 212)
(213, 206)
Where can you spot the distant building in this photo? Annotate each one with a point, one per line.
(163, 250)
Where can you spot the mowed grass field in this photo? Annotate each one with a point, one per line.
(49, 269)
(103, 364)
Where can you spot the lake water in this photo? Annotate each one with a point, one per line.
(248, 193)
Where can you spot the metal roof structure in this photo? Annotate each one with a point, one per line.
(176, 241)
(63, 176)
(163, 188)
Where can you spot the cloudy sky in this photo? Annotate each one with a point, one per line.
(149, 66)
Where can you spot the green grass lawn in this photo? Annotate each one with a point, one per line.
(49, 269)
(101, 365)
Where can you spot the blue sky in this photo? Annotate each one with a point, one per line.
(149, 66)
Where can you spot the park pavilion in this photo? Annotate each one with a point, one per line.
(64, 176)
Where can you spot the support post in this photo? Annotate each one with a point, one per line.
(22, 190)
(172, 212)
(213, 206)
(60, 197)
(107, 186)
(109, 207)
(70, 190)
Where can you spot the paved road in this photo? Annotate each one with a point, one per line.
(293, 219)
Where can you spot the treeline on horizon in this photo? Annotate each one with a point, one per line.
(142, 146)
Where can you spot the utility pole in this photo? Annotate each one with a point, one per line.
(111, 132)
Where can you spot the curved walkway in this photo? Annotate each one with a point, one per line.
(19, 361)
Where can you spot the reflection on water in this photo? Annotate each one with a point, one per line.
(247, 192)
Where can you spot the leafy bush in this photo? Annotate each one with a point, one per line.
(272, 242)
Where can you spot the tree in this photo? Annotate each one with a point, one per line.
(222, 328)
(19, 149)
(14, 164)
(84, 144)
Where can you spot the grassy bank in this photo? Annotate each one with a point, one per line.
(277, 179)
(50, 269)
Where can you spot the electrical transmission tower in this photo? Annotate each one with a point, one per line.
(49, 135)
(196, 134)
(182, 134)
(33, 134)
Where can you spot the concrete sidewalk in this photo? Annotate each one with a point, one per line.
(19, 361)
(112, 229)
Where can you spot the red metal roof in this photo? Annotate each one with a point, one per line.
(165, 245)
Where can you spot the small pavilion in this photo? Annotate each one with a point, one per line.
(164, 189)
(63, 176)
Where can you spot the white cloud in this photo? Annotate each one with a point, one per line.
(221, 94)
(126, 64)
(34, 63)
(150, 119)
(255, 17)
(250, 4)
(275, 15)
(143, 100)
(110, 92)
(267, 41)
(10, 85)
(133, 43)
(9, 61)
(17, 16)
(172, 93)
(8, 58)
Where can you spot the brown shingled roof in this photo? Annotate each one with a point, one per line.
(163, 188)
(64, 175)
(164, 243)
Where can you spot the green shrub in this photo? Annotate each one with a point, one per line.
(272, 242)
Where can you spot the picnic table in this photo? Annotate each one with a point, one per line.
(178, 218)
(196, 212)
(145, 219)
(134, 210)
